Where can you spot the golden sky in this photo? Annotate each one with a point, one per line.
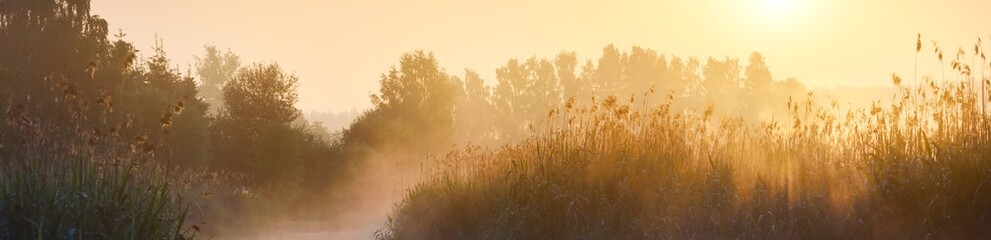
(339, 48)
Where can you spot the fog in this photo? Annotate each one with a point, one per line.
(349, 119)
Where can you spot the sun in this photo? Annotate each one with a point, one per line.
(779, 18)
(779, 6)
(778, 12)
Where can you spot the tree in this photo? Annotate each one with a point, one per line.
(515, 98)
(722, 84)
(419, 84)
(252, 132)
(44, 41)
(676, 77)
(57, 50)
(420, 94)
(757, 92)
(758, 76)
(565, 64)
(413, 112)
(474, 113)
(261, 94)
(586, 83)
(687, 84)
(609, 74)
(546, 85)
(155, 87)
(643, 71)
(215, 68)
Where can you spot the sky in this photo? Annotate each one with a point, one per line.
(339, 48)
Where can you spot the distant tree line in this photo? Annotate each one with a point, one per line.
(419, 103)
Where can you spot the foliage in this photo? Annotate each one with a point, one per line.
(252, 133)
(154, 87)
(524, 93)
(70, 179)
(58, 43)
(473, 110)
(414, 111)
(916, 168)
(526, 90)
(215, 68)
(41, 38)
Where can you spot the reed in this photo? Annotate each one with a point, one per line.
(80, 176)
(917, 168)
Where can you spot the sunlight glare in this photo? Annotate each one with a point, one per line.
(779, 6)
(779, 14)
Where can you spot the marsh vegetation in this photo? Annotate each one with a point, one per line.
(98, 141)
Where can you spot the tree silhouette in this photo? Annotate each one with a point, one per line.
(722, 84)
(524, 93)
(609, 74)
(645, 69)
(53, 50)
(757, 86)
(215, 68)
(474, 112)
(413, 112)
(758, 76)
(261, 94)
(45, 37)
(565, 63)
(252, 132)
(156, 86)
(586, 83)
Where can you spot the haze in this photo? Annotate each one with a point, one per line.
(339, 48)
(463, 119)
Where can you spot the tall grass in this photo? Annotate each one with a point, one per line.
(79, 199)
(917, 168)
(81, 177)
